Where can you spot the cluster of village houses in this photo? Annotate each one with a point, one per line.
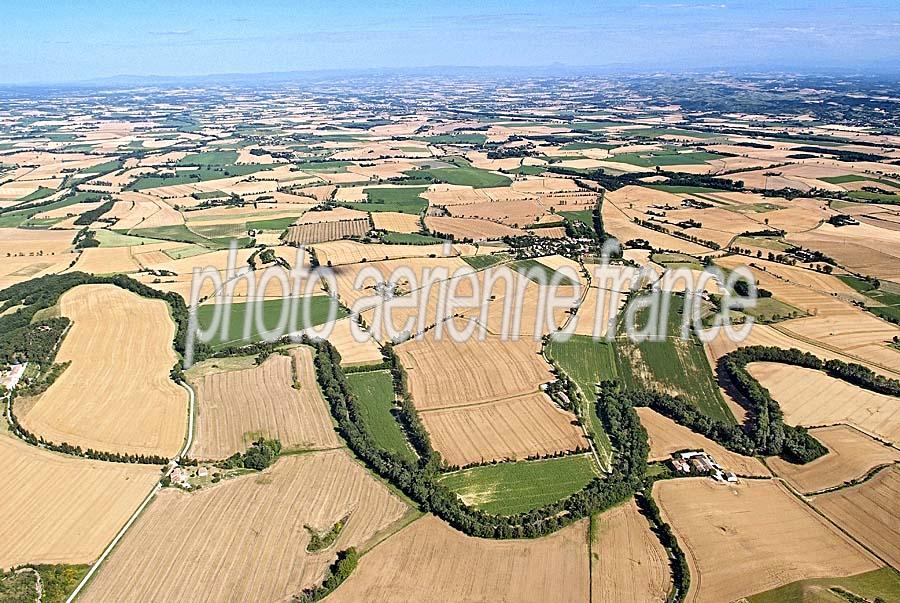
(700, 462)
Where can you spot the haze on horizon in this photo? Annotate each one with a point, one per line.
(93, 39)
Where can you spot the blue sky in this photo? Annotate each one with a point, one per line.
(74, 40)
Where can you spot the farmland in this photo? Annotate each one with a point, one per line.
(509, 488)
(400, 200)
(271, 311)
(237, 407)
(429, 561)
(509, 463)
(810, 397)
(851, 455)
(782, 540)
(319, 232)
(255, 522)
(674, 365)
(134, 407)
(868, 512)
(629, 564)
(61, 509)
(375, 392)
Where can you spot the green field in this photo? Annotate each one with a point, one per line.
(464, 176)
(319, 306)
(857, 178)
(673, 364)
(182, 234)
(210, 158)
(199, 175)
(586, 362)
(15, 218)
(874, 197)
(657, 132)
(331, 167)
(480, 262)
(375, 393)
(37, 195)
(111, 238)
(536, 272)
(769, 310)
(878, 585)
(528, 170)
(664, 158)
(279, 224)
(409, 238)
(403, 200)
(476, 139)
(890, 308)
(188, 251)
(676, 260)
(509, 488)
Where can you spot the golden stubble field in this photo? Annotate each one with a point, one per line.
(869, 512)
(234, 408)
(244, 539)
(116, 396)
(851, 454)
(61, 509)
(809, 397)
(629, 564)
(752, 537)
(428, 561)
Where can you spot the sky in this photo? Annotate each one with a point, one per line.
(72, 40)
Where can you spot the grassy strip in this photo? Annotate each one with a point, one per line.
(241, 315)
(878, 585)
(375, 393)
(511, 488)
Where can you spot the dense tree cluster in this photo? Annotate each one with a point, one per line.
(91, 215)
(340, 570)
(261, 454)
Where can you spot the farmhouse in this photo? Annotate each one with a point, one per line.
(697, 461)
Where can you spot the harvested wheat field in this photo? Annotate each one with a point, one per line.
(512, 429)
(809, 397)
(445, 373)
(666, 436)
(396, 221)
(862, 248)
(62, 509)
(630, 565)
(851, 454)
(768, 335)
(115, 396)
(106, 260)
(33, 242)
(352, 351)
(234, 408)
(748, 538)
(429, 561)
(320, 232)
(469, 228)
(243, 539)
(337, 253)
(869, 512)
